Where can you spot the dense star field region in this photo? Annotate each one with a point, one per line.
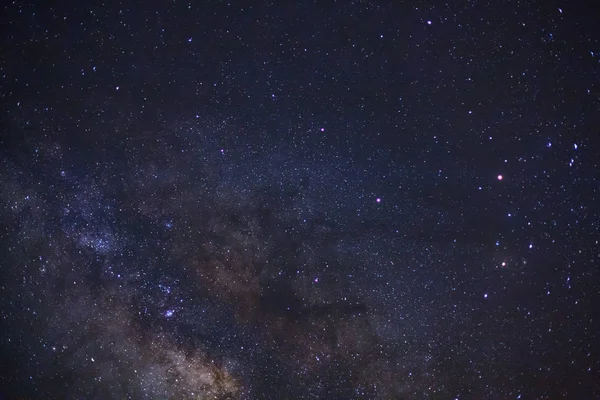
(327, 200)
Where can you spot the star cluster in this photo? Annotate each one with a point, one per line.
(355, 200)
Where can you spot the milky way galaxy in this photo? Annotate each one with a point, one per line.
(360, 201)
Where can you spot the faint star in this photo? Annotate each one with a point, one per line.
(500, 177)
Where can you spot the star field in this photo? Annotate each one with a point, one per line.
(348, 200)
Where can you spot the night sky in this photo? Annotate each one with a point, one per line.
(351, 200)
